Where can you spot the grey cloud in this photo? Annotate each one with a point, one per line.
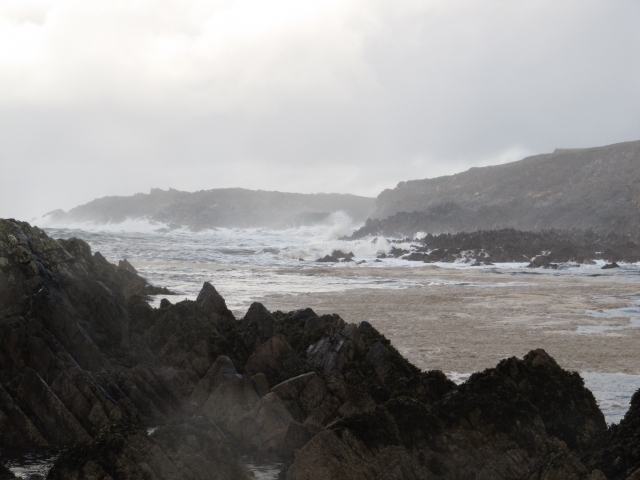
(432, 91)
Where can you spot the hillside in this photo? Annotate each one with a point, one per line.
(224, 207)
(593, 188)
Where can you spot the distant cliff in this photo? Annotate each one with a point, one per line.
(224, 207)
(592, 188)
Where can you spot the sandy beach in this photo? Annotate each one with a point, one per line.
(465, 320)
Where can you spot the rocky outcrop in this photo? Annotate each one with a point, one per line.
(546, 248)
(502, 423)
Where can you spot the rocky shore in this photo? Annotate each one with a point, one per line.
(86, 365)
(545, 248)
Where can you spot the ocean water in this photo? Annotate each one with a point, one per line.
(242, 264)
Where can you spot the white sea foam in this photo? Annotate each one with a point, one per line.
(631, 312)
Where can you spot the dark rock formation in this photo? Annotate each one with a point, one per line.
(610, 265)
(546, 248)
(223, 207)
(211, 302)
(592, 188)
(617, 451)
(86, 364)
(336, 257)
(501, 424)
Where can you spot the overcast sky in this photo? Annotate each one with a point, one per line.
(110, 97)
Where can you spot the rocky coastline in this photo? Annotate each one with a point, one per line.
(545, 248)
(87, 366)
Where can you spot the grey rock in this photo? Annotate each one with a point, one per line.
(275, 358)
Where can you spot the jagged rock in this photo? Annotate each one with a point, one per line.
(275, 358)
(80, 347)
(210, 301)
(219, 371)
(260, 324)
(258, 423)
(500, 424)
(309, 400)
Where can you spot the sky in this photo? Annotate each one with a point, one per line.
(111, 97)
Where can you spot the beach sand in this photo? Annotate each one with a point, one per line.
(466, 320)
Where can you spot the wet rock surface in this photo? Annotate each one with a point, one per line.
(86, 364)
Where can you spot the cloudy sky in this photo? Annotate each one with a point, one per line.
(111, 97)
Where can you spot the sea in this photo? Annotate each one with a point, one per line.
(245, 264)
